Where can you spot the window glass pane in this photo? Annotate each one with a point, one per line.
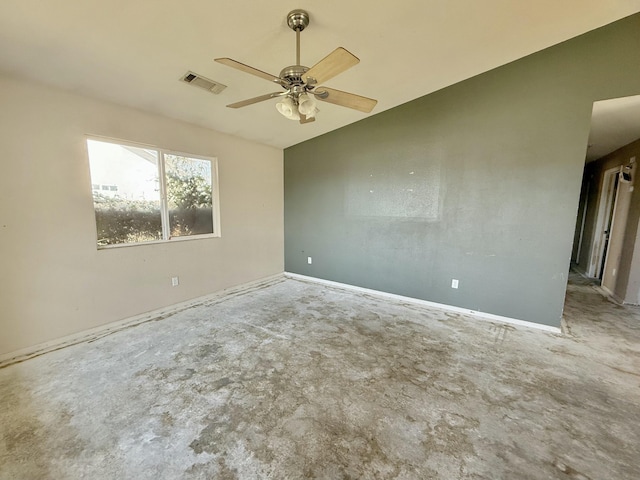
(127, 205)
(189, 195)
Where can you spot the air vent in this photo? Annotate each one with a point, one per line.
(203, 82)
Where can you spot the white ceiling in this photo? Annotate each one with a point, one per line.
(614, 124)
(134, 51)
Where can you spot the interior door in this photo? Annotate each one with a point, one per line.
(615, 244)
(606, 204)
(609, 219)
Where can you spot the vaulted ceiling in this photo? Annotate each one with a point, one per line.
(134, 52)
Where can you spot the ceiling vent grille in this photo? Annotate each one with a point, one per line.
(203, 82)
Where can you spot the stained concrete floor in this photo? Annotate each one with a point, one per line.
(296, 380)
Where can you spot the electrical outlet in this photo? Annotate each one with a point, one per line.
(454, 283)
(175, 281)
(309, 260)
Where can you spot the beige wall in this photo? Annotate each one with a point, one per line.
(54, 282)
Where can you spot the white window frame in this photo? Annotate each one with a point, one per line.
(164, 204)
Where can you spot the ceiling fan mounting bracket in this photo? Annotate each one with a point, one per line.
(298, 20)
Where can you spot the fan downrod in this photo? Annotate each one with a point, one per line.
(298, 20)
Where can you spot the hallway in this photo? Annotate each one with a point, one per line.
(590, 318)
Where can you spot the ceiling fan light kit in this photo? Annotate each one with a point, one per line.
(299, 83)
(307, 104)
(288, 108)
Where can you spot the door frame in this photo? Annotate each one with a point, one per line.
(606, 200)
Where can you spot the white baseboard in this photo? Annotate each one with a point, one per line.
(606, 290)
(609, 295)
(112, 327)
(480, 315)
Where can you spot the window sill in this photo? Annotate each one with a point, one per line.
(159, 242)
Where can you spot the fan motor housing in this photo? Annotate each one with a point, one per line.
(293, 74)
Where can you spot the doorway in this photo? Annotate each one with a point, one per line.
(603, 248)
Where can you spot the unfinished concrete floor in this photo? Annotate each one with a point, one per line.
(296, 380)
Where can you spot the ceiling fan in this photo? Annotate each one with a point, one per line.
(299, 83)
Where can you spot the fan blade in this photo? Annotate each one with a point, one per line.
(251, 101)
(344, 99)
(305, 119)
(333, 64)
(247, 69)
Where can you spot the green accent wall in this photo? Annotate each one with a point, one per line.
(479, 182)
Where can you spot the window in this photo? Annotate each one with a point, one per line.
(143, 194)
